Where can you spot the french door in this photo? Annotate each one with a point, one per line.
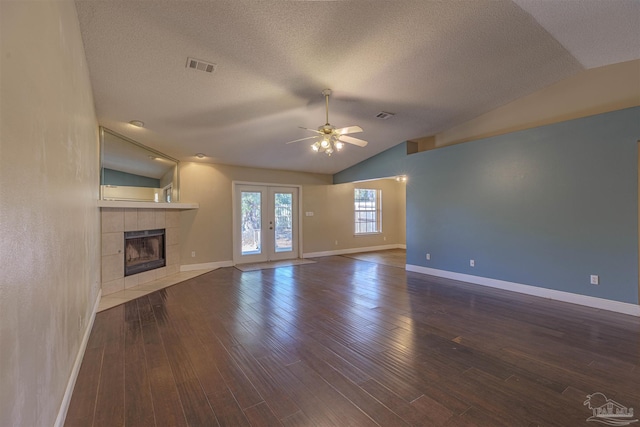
(265, 223)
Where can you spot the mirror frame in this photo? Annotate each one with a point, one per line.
(175, 184)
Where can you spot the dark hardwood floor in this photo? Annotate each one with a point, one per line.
(392, 257)
(345, 342)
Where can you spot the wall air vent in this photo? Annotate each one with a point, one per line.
(384, 115)
(198, 64)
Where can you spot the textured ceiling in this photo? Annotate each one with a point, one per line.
(595, 32)
(434, 64)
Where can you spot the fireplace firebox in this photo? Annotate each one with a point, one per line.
(143, 251)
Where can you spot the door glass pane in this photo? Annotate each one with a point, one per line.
(251, 222)
(283, 204)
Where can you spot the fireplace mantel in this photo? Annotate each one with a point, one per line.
(145, 205)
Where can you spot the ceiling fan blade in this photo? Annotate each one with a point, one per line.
(301, 139)
(352, 140)
(349, 129)
(312, 130)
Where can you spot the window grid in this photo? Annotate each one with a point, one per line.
(367, 207)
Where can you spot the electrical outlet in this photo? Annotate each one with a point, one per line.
(595, 279)
(472, 263)
(336, 243)
(428, 257)
(193, 254)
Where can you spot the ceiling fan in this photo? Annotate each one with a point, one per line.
(328, 138)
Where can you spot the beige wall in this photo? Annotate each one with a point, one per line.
(49, 222)
(208, 230)
(593, 91)
(333, 216)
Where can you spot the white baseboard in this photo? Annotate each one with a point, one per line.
(353, 250)
(220, 264)
(206, 266)
(594, 302)
(66, 400)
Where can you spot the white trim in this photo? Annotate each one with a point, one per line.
(234, 222)
(300, 224)
(594, 302)
(146, 205)
(206, 266)
(265, 184)
(66, 400)
(354, 250)
(296, 213)
(234, 214)
(377, 210)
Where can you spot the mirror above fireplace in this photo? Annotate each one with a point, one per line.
(129, 171)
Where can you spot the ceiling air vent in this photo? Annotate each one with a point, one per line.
(197, 64)
(384, 115)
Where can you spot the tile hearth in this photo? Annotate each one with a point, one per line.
(118, 218)
(120, 297)
(117, 221)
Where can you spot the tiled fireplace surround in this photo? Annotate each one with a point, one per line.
(115, 221)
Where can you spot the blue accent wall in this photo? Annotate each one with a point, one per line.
(114, 177)
(545, 207)
(391, 162)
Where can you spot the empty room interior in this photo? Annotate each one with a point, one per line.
(319, 213)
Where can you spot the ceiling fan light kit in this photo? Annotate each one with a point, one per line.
(327, 145)
(329, 139)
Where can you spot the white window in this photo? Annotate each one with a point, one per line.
(368, 210)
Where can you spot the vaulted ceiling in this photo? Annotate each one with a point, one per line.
(433, 64)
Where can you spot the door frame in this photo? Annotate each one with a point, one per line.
(235, 213)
